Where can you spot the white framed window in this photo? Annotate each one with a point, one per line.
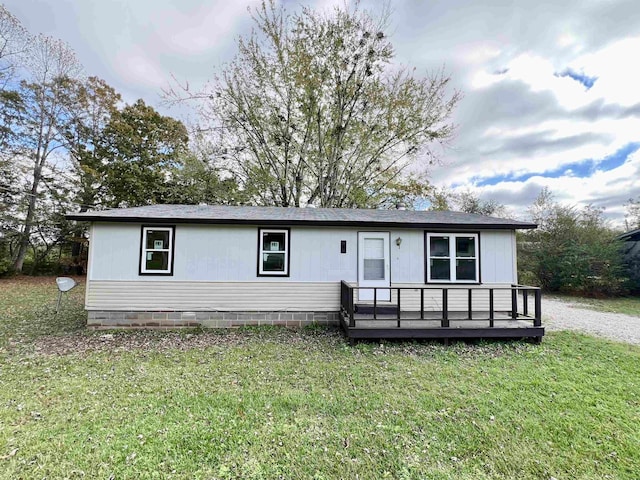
(453, 257)
(156, 252)
(273, 252)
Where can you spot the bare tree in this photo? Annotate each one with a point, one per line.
(313, 110)
(14, 41)
(51, 64)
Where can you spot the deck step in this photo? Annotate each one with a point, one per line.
(367, 308)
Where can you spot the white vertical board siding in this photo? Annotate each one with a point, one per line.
(115, 251)
(497, 256)
(407, 260)
(213, 253)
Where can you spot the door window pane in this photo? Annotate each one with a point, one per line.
(439, 246)
(157, 239)
(373, 269)
(440, 269)
(465, 247)
(466, 269)
(373, 248)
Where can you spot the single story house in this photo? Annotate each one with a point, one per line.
(220, 266)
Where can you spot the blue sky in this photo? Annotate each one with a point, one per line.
(550, 88)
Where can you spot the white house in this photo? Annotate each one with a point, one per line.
(180, 265)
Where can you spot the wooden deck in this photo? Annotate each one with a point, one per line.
(373, 321)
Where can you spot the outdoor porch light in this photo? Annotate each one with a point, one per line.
(398, 241)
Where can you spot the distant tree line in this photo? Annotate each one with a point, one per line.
(573, 250)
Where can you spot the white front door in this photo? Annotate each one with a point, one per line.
(373, 265)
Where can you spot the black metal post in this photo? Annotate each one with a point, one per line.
(491, 314)
(375, 303)
(398, 308)
(445, 308)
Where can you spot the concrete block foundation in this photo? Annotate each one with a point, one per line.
(133, 319)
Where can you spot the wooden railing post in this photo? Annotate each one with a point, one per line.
(470, 304)
(514, 302)
(398, 308)
(525, 302)
(352, 320)
(537, 321)
(422, 304)
(491, 314)
(445, 308)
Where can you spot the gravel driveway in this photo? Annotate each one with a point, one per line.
(563, 315)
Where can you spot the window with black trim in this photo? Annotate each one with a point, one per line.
(452, 257)
(156, 254)
(273, 252)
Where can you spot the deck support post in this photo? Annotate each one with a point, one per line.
(398, 308)
(537, 321)
(525, 302)
(445, 308)
(514, 302)
(470, 304)
(422, 304)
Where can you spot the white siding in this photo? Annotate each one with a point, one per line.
(224, 253)
(215, 267)
(497, 256)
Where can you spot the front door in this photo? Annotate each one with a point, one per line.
(373, 265)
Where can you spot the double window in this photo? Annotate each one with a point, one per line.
(156, 256)
(273, 252)
(452, 257)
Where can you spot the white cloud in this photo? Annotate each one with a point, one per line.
(609, 189)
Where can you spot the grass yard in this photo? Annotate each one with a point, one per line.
(273, 403)
(626, 305)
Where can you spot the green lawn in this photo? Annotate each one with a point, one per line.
(626, 305)
(273, 403)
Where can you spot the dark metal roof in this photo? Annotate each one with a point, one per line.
(283, 216)
(632, 236)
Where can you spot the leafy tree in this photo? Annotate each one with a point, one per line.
(469, 202)
(632, 216)
(91, 105)
(312, 110)
(466, 201)
(140, 148)
(200, 179)
(572, 250)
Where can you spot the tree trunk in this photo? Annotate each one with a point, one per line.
(28, 222)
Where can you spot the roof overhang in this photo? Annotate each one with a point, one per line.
(314, 223)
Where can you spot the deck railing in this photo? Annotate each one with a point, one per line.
(519, 308)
